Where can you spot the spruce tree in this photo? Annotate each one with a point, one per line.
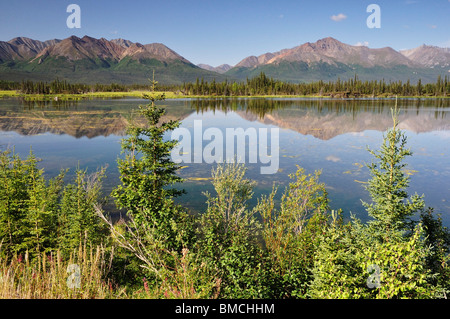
(28, 206)
(391, 208)
(148, 174)
(78, 223)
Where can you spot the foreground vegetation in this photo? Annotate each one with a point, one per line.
(58, 242)
(261, 85)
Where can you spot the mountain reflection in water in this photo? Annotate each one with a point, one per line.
(326, 134)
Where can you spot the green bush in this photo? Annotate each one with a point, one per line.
(228, 236)
(291, 232)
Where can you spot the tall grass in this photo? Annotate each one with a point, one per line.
(49, 276)
(88, 95)
(83, 276)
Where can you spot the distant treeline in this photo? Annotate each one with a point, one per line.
(60, 87)
(263, 85)
(260, 85)
(64, 87)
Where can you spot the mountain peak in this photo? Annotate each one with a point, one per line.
(327, 58)
(429, 56)
(219, 69)
(20, 40)
(73, 38)
(122, 42)
(329, 40)
(160, 50)
(327, 44)
(75, 48)
(91, 60)
(330, 51)
(26, 48)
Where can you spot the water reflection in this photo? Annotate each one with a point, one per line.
(326, 134)
(321, 118)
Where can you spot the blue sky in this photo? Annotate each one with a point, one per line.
(216, 32)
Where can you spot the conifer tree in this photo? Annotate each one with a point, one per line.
(78, 223)
(148, 173)
(28, 206)
(391, 207)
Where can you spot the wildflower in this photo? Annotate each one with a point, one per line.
(145, 284)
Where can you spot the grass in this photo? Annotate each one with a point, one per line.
(49, 276)
(168, 94)
(173, 95)
(84, 276)
(31, 97)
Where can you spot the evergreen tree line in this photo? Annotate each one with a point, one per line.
(39, 215)
(298, 247)
(64, 87)
(259, 85)
(263, 85)
(60, 87)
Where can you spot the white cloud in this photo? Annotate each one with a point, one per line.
(362, 44)
(338, 17)
(333, 158)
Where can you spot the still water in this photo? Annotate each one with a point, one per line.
(330, 135)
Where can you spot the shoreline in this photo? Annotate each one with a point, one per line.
(172, 95)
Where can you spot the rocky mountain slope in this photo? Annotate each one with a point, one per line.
(219, 69)
(92, 60)
(429, 56)
(329, 59)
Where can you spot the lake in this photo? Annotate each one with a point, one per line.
(331, 135)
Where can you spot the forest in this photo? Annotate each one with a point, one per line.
(58, 242)
(257, 86)
(263, 85)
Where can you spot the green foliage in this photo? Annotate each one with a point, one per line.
(291, 233)
(350, 264)
(187, 279)
(147, 174)
(293, 248)
(91, 71)
(58, 87)
(258, 82)
(403, 269)
(233, 191)
(337, 267)
(264, 80)
(390, 205)
(78, 221)
(38, 216)
(28, 206)
(348, 254)
(156, 232)
(228, 237)
(437, 237)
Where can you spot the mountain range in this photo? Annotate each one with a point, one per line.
(307, 119)
(219, 69)
(92, 60)
(330, 59)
